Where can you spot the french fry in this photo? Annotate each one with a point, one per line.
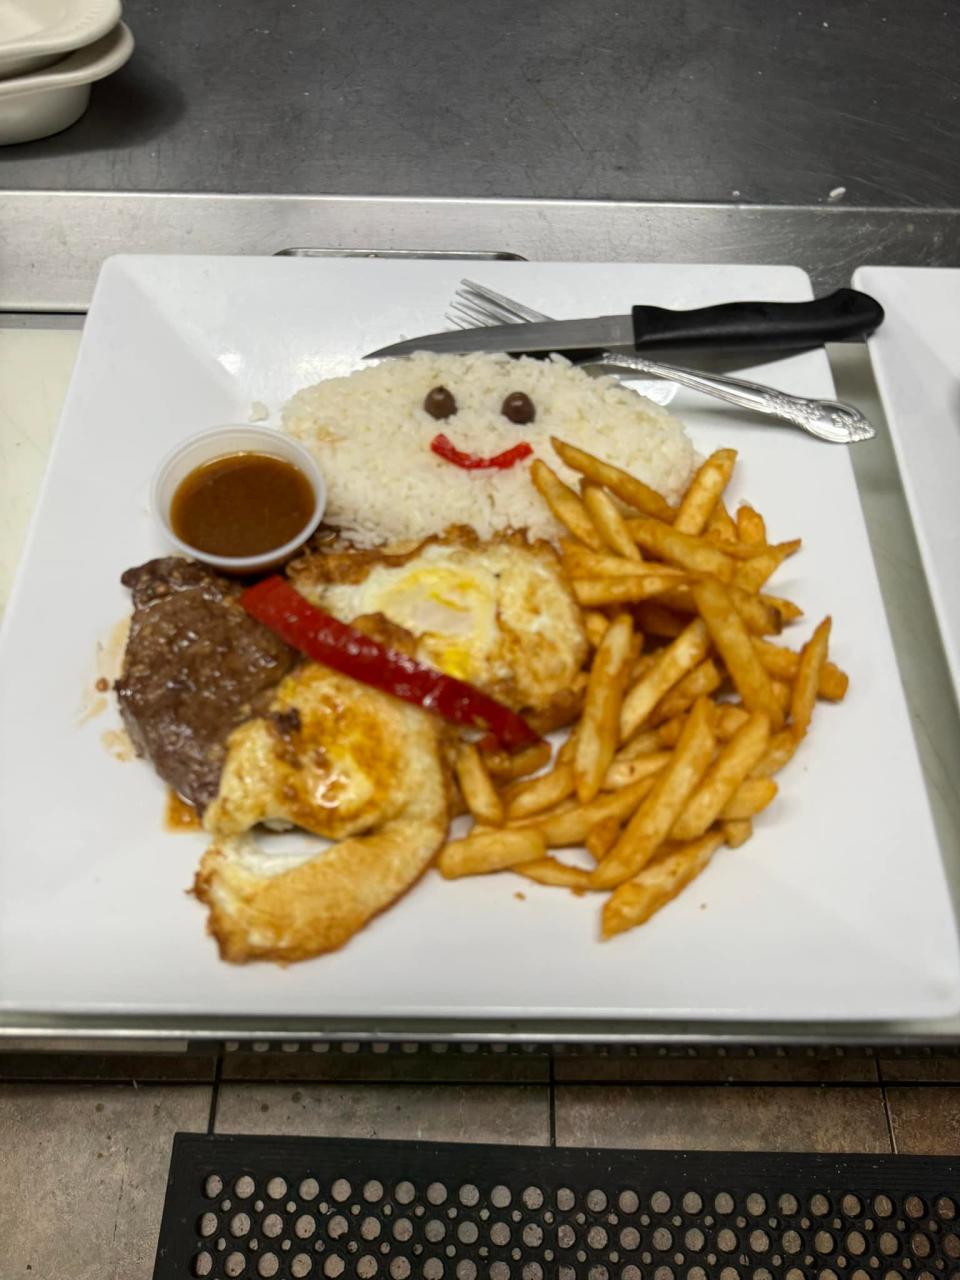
(653, 820)
(736, 833)
(570, 826)
(503, 766)
(592, 592)
(728, 717)
(534, 795)
(673, 662)
(744, 550)
(609, 523)
(732, 642)
(778, 753)
(601, 838)
(478, 854)
(721, 781)
(552, 871)
(784, 664)
(750, 798)
(598, 735)
(656, 620)
(698, 555)
(640, 744)
(834, 683)
(623, 773)
(704, 490)
(581, 562)
(476, 787)
(753, 573)
(720, 526)
(812, 657)
(703, 680)
(783, 693)
(564, 504)
(634, 903)
(759, 618)
(750, 526)
(643, 663)
(541, 819)
(595, 624)
(668, 733)
(788, 611)
(626, 487)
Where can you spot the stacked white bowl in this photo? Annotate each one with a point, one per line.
(51, 52)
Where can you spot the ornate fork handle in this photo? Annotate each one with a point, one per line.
(828, 419)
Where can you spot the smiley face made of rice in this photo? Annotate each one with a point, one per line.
(371, 435)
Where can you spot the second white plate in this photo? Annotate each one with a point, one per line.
(916, 361)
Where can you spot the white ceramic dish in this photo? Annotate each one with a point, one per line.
(35, 106)
(916, 359)
(837, 909)
(35, 33)
(207, 445)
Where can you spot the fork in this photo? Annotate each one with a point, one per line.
(474, 305)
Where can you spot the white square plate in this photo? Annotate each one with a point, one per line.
(916, 360)
(836, 909)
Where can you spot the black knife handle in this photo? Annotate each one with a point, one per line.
(838, 317)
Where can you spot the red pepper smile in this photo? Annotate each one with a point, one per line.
(446, 449)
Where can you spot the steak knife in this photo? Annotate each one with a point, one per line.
(842, 316)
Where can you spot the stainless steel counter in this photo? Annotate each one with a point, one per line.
(54, 242)
(708, 100)
(714, 131)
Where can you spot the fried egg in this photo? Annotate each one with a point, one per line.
(340, 760)
(498, 614)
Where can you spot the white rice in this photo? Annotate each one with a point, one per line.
(371, 437)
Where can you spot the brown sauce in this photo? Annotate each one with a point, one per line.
(180, 815)
(243, 504)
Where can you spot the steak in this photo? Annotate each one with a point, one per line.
(196, 665)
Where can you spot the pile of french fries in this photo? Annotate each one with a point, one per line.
(689, 709)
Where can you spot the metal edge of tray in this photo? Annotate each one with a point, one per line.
(44, 271)
(565, 1033)
(54, 242)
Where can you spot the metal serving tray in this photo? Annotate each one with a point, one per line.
(49, 274)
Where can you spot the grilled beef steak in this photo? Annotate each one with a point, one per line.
(195, 666)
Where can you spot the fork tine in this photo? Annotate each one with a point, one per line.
(492, 312)
(473, 315)
(485, 295)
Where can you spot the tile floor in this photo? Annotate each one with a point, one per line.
(85, 1137)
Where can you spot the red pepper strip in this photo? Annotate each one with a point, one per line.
(279, 606)
(445, 448)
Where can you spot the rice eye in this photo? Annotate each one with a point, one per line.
(439, 403)
(518, 407)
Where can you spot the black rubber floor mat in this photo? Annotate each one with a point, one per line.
(297, 1207)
